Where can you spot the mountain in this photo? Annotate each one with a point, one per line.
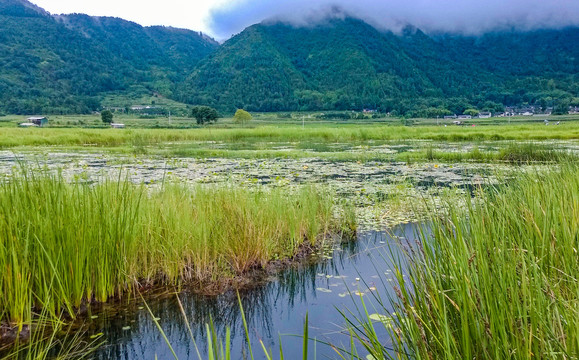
(65, 64)
(339, 64)
(178, 50)
(70, 63)
(346, 64)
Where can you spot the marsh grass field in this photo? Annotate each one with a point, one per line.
(89, 215)
(377, 141)
(323, 133)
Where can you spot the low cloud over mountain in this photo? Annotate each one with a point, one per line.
(449, 16)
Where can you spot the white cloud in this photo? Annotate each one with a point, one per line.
(189, 14)
(457, 16)
(222, 18)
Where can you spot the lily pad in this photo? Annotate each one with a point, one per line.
(380, 317)
(324, 290)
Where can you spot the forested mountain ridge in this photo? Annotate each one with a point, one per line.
(68, 63)
(303, 68)
(64, 64)
(143, 47)
(345, 64)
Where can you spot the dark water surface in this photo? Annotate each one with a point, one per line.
(274, 310)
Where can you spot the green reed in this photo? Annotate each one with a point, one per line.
(498, 280)
(517, 153)
(65, 244)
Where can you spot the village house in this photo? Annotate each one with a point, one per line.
(463, 117)
(35, 121)
(484, 115)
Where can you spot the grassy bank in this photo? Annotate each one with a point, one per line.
(67, 244)
(499, 282)
(15, 137)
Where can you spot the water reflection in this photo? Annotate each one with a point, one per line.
(274, 308)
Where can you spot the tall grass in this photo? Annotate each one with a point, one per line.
(13, 137)
(65, 244)
(499, 281)
(520, 153)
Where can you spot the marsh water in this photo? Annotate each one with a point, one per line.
(275, 309)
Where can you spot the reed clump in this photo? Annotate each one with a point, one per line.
(499, 281)
(65, 244)
(515, 153)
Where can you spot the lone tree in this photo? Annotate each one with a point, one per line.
(107, 116)
(471, 112)
(242, 116)
(204, 114)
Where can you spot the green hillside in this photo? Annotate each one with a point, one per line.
(340, 64)
(66, 64)
(348, 65)
(78, 63)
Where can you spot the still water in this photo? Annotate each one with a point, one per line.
(275, 310)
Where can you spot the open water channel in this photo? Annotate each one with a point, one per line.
(275, 309)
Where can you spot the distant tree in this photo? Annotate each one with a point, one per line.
(107, 116)
(543, 104)
(433, 112)
(204, 114)
(493, 107)
(457, 105)
(471, 112)
(562, 107)
(242, 116)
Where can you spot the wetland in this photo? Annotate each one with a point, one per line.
(174, 226)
